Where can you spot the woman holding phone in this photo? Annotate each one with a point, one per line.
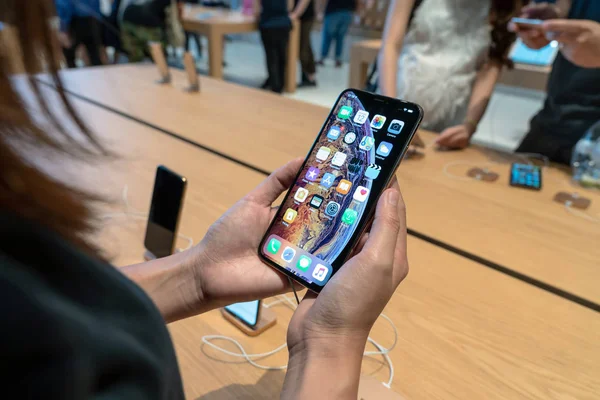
(80, 328)
(446, 55)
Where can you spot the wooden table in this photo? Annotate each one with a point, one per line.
(518, 231)
(362, 55)
(215, 23)
(460, 337)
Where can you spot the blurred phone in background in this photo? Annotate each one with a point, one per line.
(247, 312)
(165, 209)
(521, 54)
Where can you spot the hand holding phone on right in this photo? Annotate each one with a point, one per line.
(531, 33)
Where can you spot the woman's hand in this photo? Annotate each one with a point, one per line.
(579, 40)
(456, 137)
(228, 267)
(329, 332)
(534, 38)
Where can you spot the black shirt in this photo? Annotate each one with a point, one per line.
(274, 14)
(150, 13)
(573, 102)
(340, 5)
(74, 327)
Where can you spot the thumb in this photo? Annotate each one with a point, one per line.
(276, 183)
(386, 227)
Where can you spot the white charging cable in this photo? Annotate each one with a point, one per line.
(130, 212)
(250, 358)
(580, 214)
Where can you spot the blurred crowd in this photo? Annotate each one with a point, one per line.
(445, 55)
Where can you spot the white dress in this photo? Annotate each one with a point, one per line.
(447, 42)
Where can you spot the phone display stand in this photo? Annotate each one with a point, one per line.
(370, 388)
(158, 56)
(266, 319)
(148, 256)
(572, 200)
(192, 74)
(482, 174)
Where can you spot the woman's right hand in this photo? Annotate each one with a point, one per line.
(330, 331)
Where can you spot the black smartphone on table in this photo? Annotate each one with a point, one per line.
(333, 197)
(526, 176)
(165, 210)
(247, 312)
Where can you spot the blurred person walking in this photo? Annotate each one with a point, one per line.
(337, 20)
(305, 13)
(80, 24)
(274, 24)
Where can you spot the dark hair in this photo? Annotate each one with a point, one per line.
(24, 189)
(500, 14)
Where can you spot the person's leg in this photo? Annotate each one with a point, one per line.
(91, 37)
(307, 59)
(130, 42)
(281, 45)
(328, 26)
(266, 36)
(345, 19)
(71, 52)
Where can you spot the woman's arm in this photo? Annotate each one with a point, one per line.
(299, 9)
(396, 25)
(458, 137)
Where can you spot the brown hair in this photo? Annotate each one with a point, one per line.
(24, 189)
(500, 14)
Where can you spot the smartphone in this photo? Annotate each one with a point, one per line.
(522, 54)
(526, 176)
(527, 23)
(248, 312)
(165, 210)
(333, 197)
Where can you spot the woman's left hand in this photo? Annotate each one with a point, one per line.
(228, 267)
(456, 137)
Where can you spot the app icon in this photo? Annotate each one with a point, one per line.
(350, 138)
(323, 153)
(361, 117)
(301, 195)
(345, 112)
(344, 186)
(349, 216)
(338, 159)
(290, 215)
(273, 246)
(366, 143)
(384, 149)
(332, 208)
(327, 180)
(316, 201)
(360, 194)
(355, 165)
(396, 126)
(334, 133)
(312, 174)
(320, 272)
(303, 263)
(377, 121)
(373, 171)
(288, 254)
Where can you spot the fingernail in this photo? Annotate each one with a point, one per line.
(393, 197)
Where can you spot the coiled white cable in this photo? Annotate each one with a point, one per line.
(250, 358)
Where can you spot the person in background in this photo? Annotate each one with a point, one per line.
(447, 59)
(80, 24)
(274, 24)
(572, 104)
(305, 12)
(337, 20)
(192, 35)
(81, 328)
(141, 21)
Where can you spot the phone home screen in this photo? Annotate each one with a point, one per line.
(338, 186)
